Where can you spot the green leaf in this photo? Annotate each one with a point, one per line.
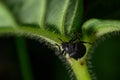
(55, 19)
(62, 17)
(93, 29)
(6, 19)
(97, 29)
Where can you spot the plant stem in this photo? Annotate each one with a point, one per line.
(80, 69)
(24, 59)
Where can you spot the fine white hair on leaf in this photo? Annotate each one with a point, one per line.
(92, 49)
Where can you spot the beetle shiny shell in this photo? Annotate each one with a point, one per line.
(75, 50)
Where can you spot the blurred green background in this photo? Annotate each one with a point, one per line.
(105, 58)
(46, 66)
(44, 63)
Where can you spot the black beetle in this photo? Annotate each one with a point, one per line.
(75, 49)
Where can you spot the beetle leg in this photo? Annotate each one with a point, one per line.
(72, 54)
(59, 48)
(63, 52)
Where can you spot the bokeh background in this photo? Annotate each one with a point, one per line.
(105, 59)
(45, 65)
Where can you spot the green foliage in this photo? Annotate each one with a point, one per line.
(49, 20)
(38, 19)
(60, 18)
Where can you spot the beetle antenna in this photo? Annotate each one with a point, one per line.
(60, 39)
